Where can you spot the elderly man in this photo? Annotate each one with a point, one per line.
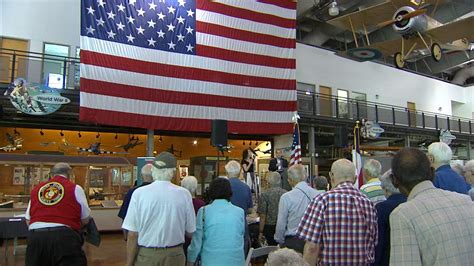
(372, 170)
(291, 208)
(147, 178)
(285, 257)
(280, 165)
(159, 217)
(268, 207)
(384, 208)
(320, 183)
(241, 193)
(57, 211)
(434, 226)
(440, 155)
(469, 176)
(340, 226)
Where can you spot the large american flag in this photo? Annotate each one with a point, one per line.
(295, 157)
(178, 64)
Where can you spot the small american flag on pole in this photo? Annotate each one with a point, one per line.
(178, 64)
(356, 158)
(295, 157)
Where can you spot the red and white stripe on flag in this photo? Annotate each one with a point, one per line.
(295, 157)
(243, 71)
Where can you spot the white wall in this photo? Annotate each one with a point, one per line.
(321, 67)
(56, 21)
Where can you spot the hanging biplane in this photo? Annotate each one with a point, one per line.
(417, 31)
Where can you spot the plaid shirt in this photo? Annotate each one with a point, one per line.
(343, 222)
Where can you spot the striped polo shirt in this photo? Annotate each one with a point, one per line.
(373, 190)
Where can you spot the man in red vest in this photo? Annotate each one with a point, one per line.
(57, 211)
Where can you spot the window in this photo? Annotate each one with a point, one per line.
(361, 100)
(343, 106)
(305, 97)
(54, 73)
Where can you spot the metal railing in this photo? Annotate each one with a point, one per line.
(314, 104)
(48, 69)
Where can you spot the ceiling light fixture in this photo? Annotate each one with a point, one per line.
(41, 132)
(61, 133)
(195, 142)
(97, 136)
(116, 136)
(79, 134)
(243, 143)
(333, 9)
(160, 139)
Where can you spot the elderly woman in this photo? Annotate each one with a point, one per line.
(469, 176)
(384, 209)
(286, 257)
(268, 208)
(190, 183)
(220, 226)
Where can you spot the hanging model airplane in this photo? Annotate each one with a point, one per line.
(418, 31)
(14, 143)
(174, 152)
(132, 143)
(96, 149)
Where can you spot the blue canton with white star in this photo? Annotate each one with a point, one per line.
(156, 24)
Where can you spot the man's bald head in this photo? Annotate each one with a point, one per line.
(61, 169)
(342, 170)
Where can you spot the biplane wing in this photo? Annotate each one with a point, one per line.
(390, 47)
(463, 28)
(367, 18)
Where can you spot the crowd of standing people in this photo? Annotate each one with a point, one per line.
(416, 213)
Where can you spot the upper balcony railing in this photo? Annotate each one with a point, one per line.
(55, 71)
(314, 104)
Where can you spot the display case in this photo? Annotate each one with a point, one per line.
(204, 168)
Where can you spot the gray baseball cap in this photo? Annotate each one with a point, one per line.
(165, 160)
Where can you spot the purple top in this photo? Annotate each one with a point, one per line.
(198, 203)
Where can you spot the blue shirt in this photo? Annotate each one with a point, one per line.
(447, 179)
(126, 201)
(219, 236)
(384, 208)
(241, 194)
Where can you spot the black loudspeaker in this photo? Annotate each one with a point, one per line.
(340, 137)
(219, 133)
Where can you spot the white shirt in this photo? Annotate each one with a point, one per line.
(291, 209)
(80, 198)
(161, 213)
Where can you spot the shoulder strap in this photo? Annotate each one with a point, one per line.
(304, 193)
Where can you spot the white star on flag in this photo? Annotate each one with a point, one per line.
(181, 20)
(152, 6)
(189, 47)
(130, 38)
(161, 16)
(151, 42)
(171, 9)
(181, 2)
(101, 3)
(151, 23)
(170, 27)
(100, 22)
(111, 34)
(140, 30)
(189, 30)
(111, 14)
(120, 26)
(141, 12)
(190, 13)
(180, 37)
(132, 2)
(171, 45)
(130, 19)
(161, 34)
(90, 10)
(90, 30)
(121, 8)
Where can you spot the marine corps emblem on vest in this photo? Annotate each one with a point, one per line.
(51, 193)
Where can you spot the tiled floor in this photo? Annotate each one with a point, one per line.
(112, 251)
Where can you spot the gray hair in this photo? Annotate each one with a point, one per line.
(146, 172)
(163, 174)
(286, 257)
(372, 168)
(190, 183)
(458, 168)
(469, 166)
(61, 169)
(320, 183)
(297, 173)
(387, 183)
(440, 152)
(274, 179)
(232, 168)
